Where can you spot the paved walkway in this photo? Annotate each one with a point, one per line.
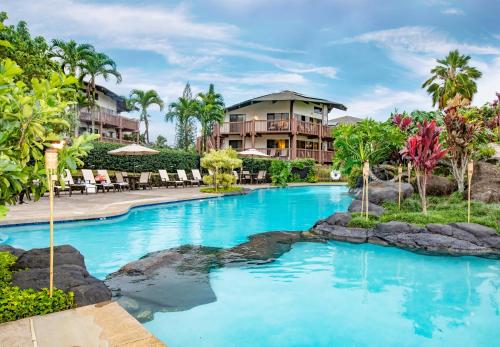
(103, 325)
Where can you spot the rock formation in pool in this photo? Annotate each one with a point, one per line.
(178, 279)
(70, 273)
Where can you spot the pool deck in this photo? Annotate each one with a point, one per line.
(92, 206)
(105, 324)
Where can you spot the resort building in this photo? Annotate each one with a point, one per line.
(108, 122)
(285, 125)
(344, 120)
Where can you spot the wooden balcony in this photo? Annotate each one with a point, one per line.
(115, 140)
(259, 127)
(285, 153)
(109, 119)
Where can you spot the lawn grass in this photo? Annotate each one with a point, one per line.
(220, 190)
(440, 209)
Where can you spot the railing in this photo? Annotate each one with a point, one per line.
(104, 117)
(275, 126)
(326, 156)
(114, 140)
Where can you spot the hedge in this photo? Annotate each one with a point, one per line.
(167, 159)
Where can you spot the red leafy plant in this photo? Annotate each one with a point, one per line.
(460, 135)
(424, 151)
(402, 121)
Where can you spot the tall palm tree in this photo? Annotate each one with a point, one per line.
(71, 54)
(183, 112)
(210, 110)
(452, 76)
(97, 65)
(141, 100)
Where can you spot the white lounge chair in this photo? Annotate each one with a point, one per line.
(88, 177)
(165, 179)
(108, 182)
(120, 181)
(145, 180)
(183, 177)
(197, 175)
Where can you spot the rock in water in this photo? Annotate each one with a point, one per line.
(386, 191)
(172, 280)
(70, 274)
(373, 209)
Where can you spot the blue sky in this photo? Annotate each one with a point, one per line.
(370, 56)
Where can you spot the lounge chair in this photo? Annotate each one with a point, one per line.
(261, 176)
(197, 175)
(235, 173)
(183, 177)
(246, 177)
(165, 179)
(88, 177)
(145, 180)
(82, 187)
(58, 188)
(120, 181)
(105, 174)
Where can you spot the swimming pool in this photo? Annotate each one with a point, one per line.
(315, 295)
(222, 222)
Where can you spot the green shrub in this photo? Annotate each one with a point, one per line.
(220, 190)
(168, 159)
(6, 262)
(224, 180)
(255, 165)
(16, 303)
(302, 170)
(359, 221)
(280, 172)
(322, 173)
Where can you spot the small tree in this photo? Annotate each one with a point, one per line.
(221, 163)
(424, 151)
(460, 135)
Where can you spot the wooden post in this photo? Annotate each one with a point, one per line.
(50, 167)
(400, 172)
(409, 172)
(470, 171)
(366, 173)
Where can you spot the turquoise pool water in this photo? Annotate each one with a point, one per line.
(340, 294)
(109, 244)
(333, 294)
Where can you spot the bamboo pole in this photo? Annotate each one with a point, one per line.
(409, 171)
(400, 172)
(50, 167)
(470, 171)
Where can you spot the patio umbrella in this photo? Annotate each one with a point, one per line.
(133, 150)
(252, 153)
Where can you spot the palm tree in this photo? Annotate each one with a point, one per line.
(183, 111)
(95, 65)
(141, 100)
(210, 110)
(452, 76)
(71, 55)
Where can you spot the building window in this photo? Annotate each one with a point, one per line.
(236, 144)
(235, 122)
(277, 121)
(236, 117)
(318, 110)
(281, 144)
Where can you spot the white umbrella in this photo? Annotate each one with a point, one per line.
(133, 149)
(252, 152)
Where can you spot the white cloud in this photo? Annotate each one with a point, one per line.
(257, 78)
(453, 11)
(381, 101)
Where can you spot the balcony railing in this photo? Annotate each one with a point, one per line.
(105, 117)
(114, 140)
(285, 153)
(293, 126)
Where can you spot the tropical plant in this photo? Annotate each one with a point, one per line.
(30, 121)
(96, 65)
(221, 163)
(367, 140)
(280, 172)
(142, 100)
(402, 120)
(183, 112)
(452, 76)
(161, 142)
(31, 54)
(424, 151)
(70, 54)
(210, 110)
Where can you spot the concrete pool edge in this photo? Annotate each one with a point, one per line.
(125, 207)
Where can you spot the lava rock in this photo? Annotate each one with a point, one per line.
(386, 191)
(17, 252)
(486, 183)
(341, 233)
(373, 209)
(339, 218)
(438, 185)
(38, 258)
(70, 274)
